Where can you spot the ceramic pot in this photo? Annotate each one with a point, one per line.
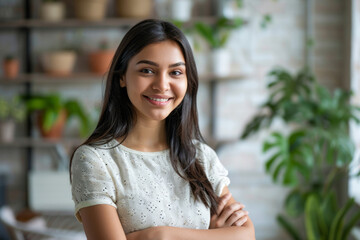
(7, 131)
(181, 9)
(93, 10)
(134, 8)
(100, 61)
(59, 63)
(11, 68)
(55, 132)
(220, 62)
(52, 11)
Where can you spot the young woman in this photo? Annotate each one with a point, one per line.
(145, 173)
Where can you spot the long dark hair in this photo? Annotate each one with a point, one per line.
(182, 128)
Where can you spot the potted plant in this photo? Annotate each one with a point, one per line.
(100, 60)
(11, 66)
(59, 62)
(313, 157)
(134, 8)
(11, 111)
(217, 35)
(53, 112)
(52, 10)
(92, 10)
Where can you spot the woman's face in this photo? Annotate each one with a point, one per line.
(156, 80)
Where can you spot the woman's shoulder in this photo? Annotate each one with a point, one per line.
(94, 150)
(202, 149)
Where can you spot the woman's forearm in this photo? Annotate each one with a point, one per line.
(227, 233)
(245, 232)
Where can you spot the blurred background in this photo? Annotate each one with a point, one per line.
(291, 147)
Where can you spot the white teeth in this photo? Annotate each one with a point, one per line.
(159, 99)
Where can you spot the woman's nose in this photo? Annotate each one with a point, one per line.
(161, 82)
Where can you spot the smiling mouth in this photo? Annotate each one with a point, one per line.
(158, 101)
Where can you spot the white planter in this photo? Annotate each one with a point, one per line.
(220, 62)
(181, 9)
(7, 131)
(52, 11)
(59, 62)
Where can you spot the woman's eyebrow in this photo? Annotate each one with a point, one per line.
(157, 65)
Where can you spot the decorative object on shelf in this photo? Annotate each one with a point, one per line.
(11, 66)
(134, 8)
(100, 60)
(217, 35)
(181, 9)
(313, 157)
(11, 111)
(52, 10)
(59, 62)
(53, 112)
(226, 8)
(92, 10)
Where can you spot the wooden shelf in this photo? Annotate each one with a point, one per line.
(92, 78)
(40, 142)
(74, 23)
(52, 79)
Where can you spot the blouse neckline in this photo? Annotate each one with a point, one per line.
(119, 145)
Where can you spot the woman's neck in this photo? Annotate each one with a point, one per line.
(147, 137)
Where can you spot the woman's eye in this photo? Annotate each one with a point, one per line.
(146, 70)
(176, 73)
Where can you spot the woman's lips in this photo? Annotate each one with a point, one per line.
(158, 101)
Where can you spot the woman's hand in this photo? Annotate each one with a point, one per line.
(232, 215)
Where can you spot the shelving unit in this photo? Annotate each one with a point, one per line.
(29, 78)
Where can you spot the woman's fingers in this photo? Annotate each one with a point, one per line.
(222, 202)
(241, 221)
(238, 218)
(228, 211)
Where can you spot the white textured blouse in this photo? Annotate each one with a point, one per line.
(142, 186)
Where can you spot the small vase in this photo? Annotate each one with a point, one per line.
(11, 68)
(59, 63)
(7, 131)
(220, 62)
(181, 10)
(134, 8)
(52, 11)
(92, 10)
(100, 61)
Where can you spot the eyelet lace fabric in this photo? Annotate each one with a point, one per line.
(142, 186)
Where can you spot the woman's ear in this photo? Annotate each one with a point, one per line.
(122, 82)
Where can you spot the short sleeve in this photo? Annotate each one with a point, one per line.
(92, 183)
(215, 171)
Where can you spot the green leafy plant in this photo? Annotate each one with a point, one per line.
(51, 105)
(217, 35)
(12, 109)
(313, 156)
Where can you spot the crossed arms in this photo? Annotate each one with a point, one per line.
(230, 223)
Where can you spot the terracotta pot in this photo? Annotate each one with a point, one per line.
(92, 10)
(59, 63)
(11, 68)
(134, 8)
(7, 131)
(55, 132)
(100, 61)
(52, 11)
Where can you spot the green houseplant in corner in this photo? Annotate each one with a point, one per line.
(53, 112)
(313, 157)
